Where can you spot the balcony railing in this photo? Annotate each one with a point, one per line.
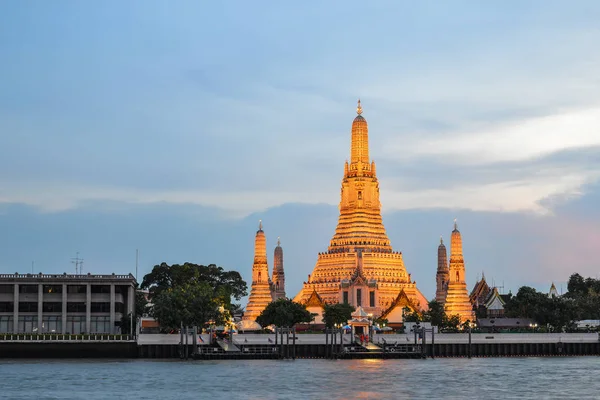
(65, 276)
(58, 337)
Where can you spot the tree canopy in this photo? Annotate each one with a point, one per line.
(284, 313)
(337, 314)
(192, 294)
(557, 312)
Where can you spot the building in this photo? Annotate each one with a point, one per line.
(278, 279)
(441, 276)
(457, 298)
(69, 304)
(264, 289)
(360, 267)
(553, 292)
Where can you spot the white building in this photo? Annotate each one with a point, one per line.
(38, 303)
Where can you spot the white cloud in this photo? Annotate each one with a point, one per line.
(514, 141)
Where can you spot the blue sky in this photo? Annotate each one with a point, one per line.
(173, 128)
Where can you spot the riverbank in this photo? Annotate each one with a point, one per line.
(266, 346)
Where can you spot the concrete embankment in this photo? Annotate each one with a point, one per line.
(256, 346)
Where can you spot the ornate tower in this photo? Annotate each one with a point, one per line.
(278, 280)
(457, 297)
(442, 274)
(260, 292)
(360, 266)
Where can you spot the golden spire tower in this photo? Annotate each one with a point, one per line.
(457, 297)
(278, 280)
(260, 291)
(442, 273)
(360, 266)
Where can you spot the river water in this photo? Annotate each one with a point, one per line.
(451, 378)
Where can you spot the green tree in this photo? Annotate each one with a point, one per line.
(283, 313)
(452, 322)
(436, 314)
(224, 284)
(338, 313)
(413, 317)
(193, 304)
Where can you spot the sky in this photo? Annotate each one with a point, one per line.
(172, 128)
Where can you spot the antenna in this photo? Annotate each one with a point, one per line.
(78, 264)
(136, 263)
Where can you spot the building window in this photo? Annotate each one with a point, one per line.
(75, 324)
(7, 289)
(372, 298)
(77, 289)
(100, 325)
(75, 307)
(6, 324)
(28, 306)
(120, 308)
(358, 297)
(28, 324)
(7, 306)
(345, 297)
(52, 307)
(360, 195)
(100, 307)
(52, 323)
(28, 288)
(100, 288)
(52, 289)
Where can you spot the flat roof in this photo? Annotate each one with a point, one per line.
(24, 278)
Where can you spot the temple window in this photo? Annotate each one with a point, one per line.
(358, 297)
(372, 298)
(360, 195)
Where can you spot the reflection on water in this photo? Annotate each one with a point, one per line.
(477, 378)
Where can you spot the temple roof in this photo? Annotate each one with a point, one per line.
(359, 313)
(314, 300)
(401, 301)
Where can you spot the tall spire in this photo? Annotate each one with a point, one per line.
(278, 281)
(359, 153)
(441, 277)
(457, 298)
(260, 291)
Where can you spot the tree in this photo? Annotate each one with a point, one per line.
(190, 304)
(436, 314)
(283, 313)
(224, 284)
(337, 314)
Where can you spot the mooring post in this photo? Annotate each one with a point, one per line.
(194, 341)
(424, 343)
(469, 341)
(186, 342)
(294, 343)
(287, 343)
(432, 342)
(326, 342)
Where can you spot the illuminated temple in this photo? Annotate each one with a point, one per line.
(360, 266)
(456, 299)
(264, 289)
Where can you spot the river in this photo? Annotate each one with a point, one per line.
(451, 378)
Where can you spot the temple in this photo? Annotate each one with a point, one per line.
(278, 280)
(360, 267)
(264, 289)
(442, 274)
(457, 300)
